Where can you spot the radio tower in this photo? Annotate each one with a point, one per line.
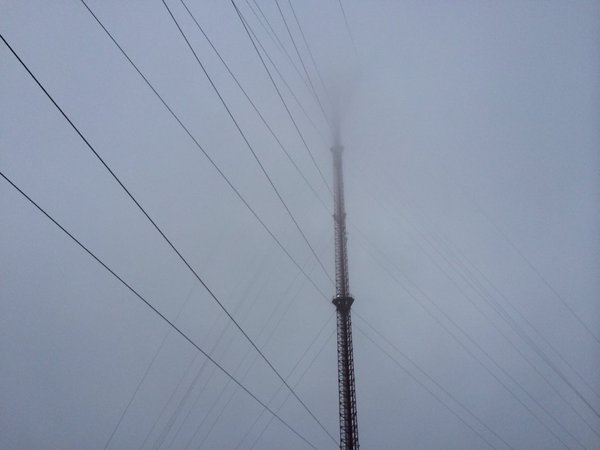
(343, 302)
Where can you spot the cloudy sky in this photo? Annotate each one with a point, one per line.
(472, 169)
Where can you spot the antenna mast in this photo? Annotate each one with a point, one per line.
(343, 302)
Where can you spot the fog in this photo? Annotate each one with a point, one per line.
(471, 159)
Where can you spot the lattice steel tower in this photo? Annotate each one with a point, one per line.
(343, 302)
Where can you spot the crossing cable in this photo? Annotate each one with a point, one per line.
(291, 372)
(534, 269)
(468, 351)
(199, 147)
(295, 97)
(184, 375)
(297, 383)
(275, 39)
(217, 343)
(192, 385)
(147, 371)
(287, 85)
(474, 356)
(192, 362)
(268, 339)
(246, 27)
(262, 118)
(431, 392)
(243, 135)
(310, 53)
(512, 344)
(505, 315)
(424, 373)
(521, 333)
(148, 304)
(181, 257)
(302, 63)
(502, 333)
(533, 344)
(528, 262)
(453, 250)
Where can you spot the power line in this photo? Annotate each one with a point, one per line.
(503, 314)
(537, 349)
(199, 147)
(147, 303)
(158, 229)
(453, 249)
(297, 383)
(474, 356)
(312, 86)
(262, 118)
(511, 324)
(147, 371)
(286, 84)
(273, 311)
(535, 270)
(166, 429)
(243, 135)
(246, 27)
(432, 393)
(275, 39)
(310, 53)
(267, 339)
(428, 376)
(298, 361)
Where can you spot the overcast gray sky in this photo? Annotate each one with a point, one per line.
(472, 169)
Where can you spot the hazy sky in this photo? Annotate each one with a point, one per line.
(472, 169)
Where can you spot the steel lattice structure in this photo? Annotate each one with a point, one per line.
(343, 303)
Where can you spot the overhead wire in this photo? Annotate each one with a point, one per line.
(535, 270)
(511, 304)
(269, 337)
(149, 305)
(246, 27)
(503, 334)
(290, 373)
(159, 230)
(512, 323)
(247, 142)
(504, 315)
(429, 390)
(170, 422)
(297, 383)
(538, 350)
(426, 375)
(312, 86)
(147, 371)
(279, 73)
(272, 34)
(235, 190)
(310, 53)
(262, 118)
(252, 103)
(470, 352)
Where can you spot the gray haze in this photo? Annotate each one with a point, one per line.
(472, 173)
